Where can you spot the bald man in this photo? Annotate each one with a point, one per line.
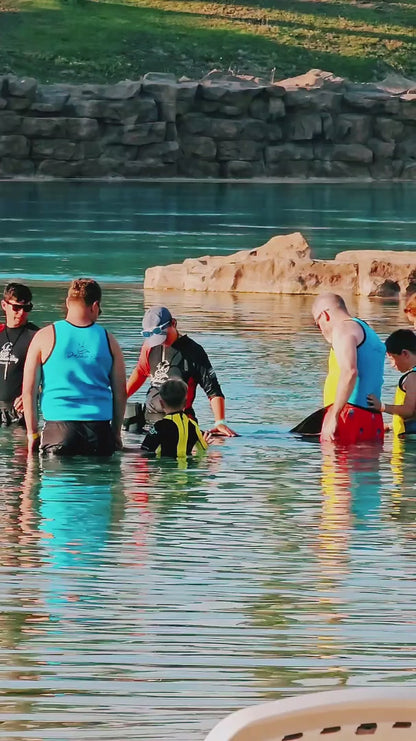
(356, 365)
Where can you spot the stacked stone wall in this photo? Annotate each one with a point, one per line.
(215, 128)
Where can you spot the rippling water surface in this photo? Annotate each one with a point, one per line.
(142, 599)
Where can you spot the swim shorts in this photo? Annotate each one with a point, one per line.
(78, 438)
(358, 425)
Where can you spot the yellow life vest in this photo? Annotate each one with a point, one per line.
(400, 425)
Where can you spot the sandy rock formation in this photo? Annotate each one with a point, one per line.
(285, 265)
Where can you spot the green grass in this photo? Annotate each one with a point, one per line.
(99, 41)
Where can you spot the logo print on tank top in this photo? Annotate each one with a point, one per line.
(161, 373)
(7, 357)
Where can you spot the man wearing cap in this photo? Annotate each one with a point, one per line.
(168, 354)
(80, 368)
(15, 337)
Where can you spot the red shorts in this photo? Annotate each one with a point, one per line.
(358, 425)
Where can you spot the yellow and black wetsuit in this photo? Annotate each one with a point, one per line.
(403, 426)
(174, 436)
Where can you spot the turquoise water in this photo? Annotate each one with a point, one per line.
(144, 600)
(48, 230)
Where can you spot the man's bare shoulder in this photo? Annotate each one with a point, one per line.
(44, 336)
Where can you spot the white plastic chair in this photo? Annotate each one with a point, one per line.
(382, 714)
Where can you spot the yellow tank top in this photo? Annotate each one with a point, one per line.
(331, 381)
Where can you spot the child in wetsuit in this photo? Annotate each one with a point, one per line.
(176, 434)
(401, 349)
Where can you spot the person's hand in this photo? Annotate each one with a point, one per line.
(18, 404)
(373, 402)
(208, 437)
(118, 441)
(223, 429)
(33, 442)
(329, 427)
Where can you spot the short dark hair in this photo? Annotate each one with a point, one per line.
(401, 339)
(18, 291)
(84, 289)
(173, 393)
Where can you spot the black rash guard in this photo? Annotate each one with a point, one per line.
(14, 343)
(183, 359)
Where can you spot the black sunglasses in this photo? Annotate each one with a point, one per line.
(20, 307)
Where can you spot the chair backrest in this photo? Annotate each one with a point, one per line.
(382, 714)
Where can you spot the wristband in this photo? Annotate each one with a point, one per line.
(219, 422)
(382, 407)
(33, 435)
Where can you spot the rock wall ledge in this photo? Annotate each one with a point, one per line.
(285, 265)
(313, 126)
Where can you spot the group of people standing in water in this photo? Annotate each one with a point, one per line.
(75, 369)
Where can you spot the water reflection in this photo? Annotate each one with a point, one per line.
(144, 600)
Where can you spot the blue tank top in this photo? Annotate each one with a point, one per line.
(76, 376)
(370, 365)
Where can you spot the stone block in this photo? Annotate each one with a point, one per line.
(352, 153)
(59, 169)
(57, 149)
(163, 151)
(260, 108)
(137, 109)
(150, 168)
(164, 93)
(229, 110)
(102, 167)
(44, 127)
(239, 150)
(49, 101)
(388, 129)
(274, 132)
(185, 96)
(200, 146)
(408, 107)
(145, 133)
(119, 152)
(18, 104)
(17, 167)
(288, 151)
(242, 169)
(373, 101)
(195, 167)
(276, 109)
(409, 171)
(21, 87)
(351, 127)
(406, 150)
(382, 149)
(3, 103)
(378, 268)
(14, 146)
(303, 127)
(288, 169)
(87, 150)
(335, 169)
(9, 122)
(253, 129)
(81, 129)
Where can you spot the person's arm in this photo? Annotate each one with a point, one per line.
(208, 380)
(118, 387)
(345, 348)
(406, 410)
(140, 373)
(31, 381)
(154, 438)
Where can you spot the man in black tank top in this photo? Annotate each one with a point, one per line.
(15, 337)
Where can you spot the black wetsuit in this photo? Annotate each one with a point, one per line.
(174, 436)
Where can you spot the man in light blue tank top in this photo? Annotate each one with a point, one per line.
(80, 368)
